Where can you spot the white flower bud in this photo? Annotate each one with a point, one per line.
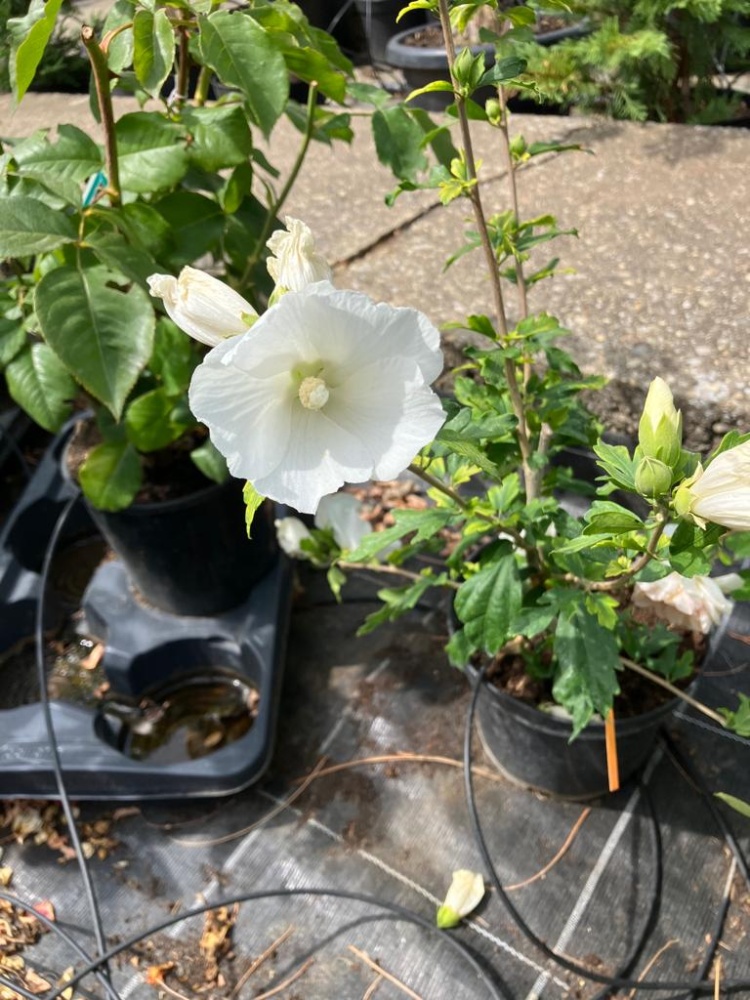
(660, 427)
(204, 307)
(341, 512)
(465, 894)
(295, 262)
(291, 532)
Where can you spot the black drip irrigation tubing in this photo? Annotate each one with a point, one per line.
(619, 982)
(99, 966)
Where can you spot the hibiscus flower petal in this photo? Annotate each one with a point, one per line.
(249, 419)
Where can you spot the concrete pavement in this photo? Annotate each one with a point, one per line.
(658, 281)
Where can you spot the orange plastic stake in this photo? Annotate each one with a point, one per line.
(613, 768)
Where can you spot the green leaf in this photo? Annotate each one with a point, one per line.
(149, 423)
(607, 517)
(739, 721)
(113, 250)
(488, 602)
(397, 601)
(210, 461)
(503, 69)
(398, 142)
(588, 658)
(174, 357)
(12, 339)
(311, 66)
(243, 55)
(40, 384)
(27, 226)
(426, 524)
(111, 475)
(153, 56)
(29, 37)
(151, 151)
(62, 166)
(691, 548)
(742, 807)
(336, 578)
(102, 333)
(219, 137)
(253, 500)
(430, 88)
(617, 463)
(196, 224)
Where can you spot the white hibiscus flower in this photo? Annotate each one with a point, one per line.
(327, 388)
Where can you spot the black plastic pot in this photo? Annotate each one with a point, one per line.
(533, 748)
(341, 19)
(148, 653)
(192, 556)
(379, 20)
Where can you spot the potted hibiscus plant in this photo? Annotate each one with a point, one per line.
(564, 606)
(84, 225)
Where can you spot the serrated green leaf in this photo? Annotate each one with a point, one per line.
(153, 55)
(588, 657)
(397, 601)
(489, 601)
(111, 475)
(243, 55)
(739, 721)
(426, 524)
(253, 500)
(691, 548)
(101, 332)
(40, 384)
(27, 226)
(151, 150)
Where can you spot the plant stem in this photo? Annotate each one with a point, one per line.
(493, 522)
(183, 66)
(643, 560)
(201, 87)
(275, 207)
(663, 682)
(100, 71)
(391, 571)
(530, 480)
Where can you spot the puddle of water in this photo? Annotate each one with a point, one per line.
(184, 720)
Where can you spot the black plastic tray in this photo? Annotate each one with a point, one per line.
(144, 647)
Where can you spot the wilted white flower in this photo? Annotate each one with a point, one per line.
(465, 894)
(721, 492)
(697, 602)
(341, 512)
(204, 307)
(327, 388)
(291, 532)
(295, 263)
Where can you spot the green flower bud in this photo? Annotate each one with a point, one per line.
(494, 111)
(660, 427)
(652, 478)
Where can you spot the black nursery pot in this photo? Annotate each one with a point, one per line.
(192, 556)
(379, 20)
(533, 748)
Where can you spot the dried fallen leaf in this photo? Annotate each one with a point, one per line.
(6, 874)
(35, 983)
(92, 661)
(154, 974)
